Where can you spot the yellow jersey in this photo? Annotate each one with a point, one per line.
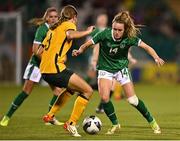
(56, 47)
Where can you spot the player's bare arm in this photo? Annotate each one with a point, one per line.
(95, 56)
(71, 34)
(82, 48)
(152, 52)
(38, 49)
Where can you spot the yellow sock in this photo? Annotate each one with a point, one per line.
(79, 106)
(60, 102)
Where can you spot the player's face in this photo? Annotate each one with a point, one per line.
(118, 30)
(52, 17)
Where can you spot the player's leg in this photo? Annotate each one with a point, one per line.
(76, 83)
(104, 91)
(124, 77)
(105, 80)
(51, 120)
(56, 93)
(100, 109)
(72, 81)
(61, 100)
(140, 106)
(116, 91)
(31, 75)
(27, 88)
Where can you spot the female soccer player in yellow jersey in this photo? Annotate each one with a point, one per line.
(32, 73)
(56, 45)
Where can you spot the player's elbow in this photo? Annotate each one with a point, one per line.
(70, 36)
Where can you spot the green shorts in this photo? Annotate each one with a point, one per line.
(58, 79)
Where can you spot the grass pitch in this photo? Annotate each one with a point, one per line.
(26, 124)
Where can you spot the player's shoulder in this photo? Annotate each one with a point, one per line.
(106, 31)
(102, 32)
(43, 27)
(68, 24)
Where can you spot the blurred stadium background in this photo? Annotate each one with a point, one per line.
(162, 31)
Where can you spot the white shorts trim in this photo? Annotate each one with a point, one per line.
(122, 76)
(105, 74)
(32, 73)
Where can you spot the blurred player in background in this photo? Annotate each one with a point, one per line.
(32, 73)
(113, 64)
(55, 47)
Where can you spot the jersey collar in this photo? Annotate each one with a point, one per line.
(47, 25)
(113, 36)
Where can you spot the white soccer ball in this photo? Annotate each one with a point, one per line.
(92, 124)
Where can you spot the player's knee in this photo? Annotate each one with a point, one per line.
(105, 98)
(27, 89)
(57, 91)
(88, 93)
(133, 100)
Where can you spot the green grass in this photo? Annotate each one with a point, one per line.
(163, 102)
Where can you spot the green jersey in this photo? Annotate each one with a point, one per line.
(39, 37)
(113, 54)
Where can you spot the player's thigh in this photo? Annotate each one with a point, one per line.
(128, 89)
(104, 87)
(105, 79)
(76, 83)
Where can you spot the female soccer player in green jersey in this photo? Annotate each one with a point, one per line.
(113, 64)
(32, 73)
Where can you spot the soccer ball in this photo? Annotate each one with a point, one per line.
(92, 125)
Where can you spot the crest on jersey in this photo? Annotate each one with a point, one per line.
(122, 46)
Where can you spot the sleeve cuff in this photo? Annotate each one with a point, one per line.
(93, 41)
(36, 42)
(139, 42)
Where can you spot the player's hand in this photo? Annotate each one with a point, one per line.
(90, 29)
(159, 62)
(76, 52)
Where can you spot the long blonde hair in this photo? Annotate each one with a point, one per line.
(67, 13)
(39, 21)
(131, 30)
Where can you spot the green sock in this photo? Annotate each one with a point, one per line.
(144, 111)
(16, 103)
(53, 100)
(110, 112)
